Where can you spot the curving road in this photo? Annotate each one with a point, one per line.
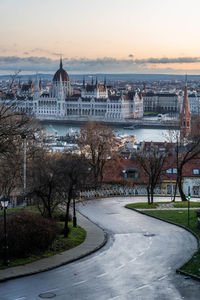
(138, 262)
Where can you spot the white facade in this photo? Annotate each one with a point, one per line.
(161, 102)
(93, 103)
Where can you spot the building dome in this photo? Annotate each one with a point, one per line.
(61, 72)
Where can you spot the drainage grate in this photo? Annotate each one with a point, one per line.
(47, 295)
(149, 234)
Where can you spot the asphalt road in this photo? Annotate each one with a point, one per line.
(138, 262)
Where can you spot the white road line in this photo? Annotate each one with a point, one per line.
(120, 267)
(22, 298)
(162, 277)
(116, 297)
(142, 287)
(80, 282)
(49, 291)
(133, 259)
(101, 275)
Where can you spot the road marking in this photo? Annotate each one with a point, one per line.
(22, 298)
(120, 267)
(142, 287)
(49, 291)
(133, 259)
(116, 297)
(161, 278)
(80, 282)
(101, 275)
(141, 253)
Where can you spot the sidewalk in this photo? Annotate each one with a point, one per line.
(95, 239)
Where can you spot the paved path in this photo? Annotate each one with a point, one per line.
(138, 262)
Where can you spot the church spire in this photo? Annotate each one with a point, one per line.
(185, 116)
(61, 65)
(105, 83)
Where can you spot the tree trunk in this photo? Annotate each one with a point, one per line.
(179, 179)
(152, 194)
(148, 195)
(175, 190)
(66, 227)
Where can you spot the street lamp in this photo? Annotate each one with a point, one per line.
(4, 205)
(23, 136)
(189, 197)
(74, 209)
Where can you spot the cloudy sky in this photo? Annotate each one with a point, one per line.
(107, 36)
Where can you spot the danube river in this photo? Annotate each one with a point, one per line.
(155, 135)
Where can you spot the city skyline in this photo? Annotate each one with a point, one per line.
(105, 37)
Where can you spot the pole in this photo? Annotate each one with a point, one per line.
(24, 171)
(189, 209)
(74, 213)
(6, 261)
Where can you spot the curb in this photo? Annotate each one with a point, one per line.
(181, 226)
(64, 262)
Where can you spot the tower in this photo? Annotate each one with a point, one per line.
(185, 116)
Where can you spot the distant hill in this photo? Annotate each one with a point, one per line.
(110, 77)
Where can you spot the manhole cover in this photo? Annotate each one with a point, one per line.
(149, 234)
(47, 295)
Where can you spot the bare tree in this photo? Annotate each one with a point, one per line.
(151, 162)
(184, 151)
(74, 176)
(99, 144)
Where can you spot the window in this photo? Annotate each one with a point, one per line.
(169, 189)
(171, 171)
(196, 171)
(195, 190)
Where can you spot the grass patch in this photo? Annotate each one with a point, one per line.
(11, 211)
(180, 217)
(184, 204)
(145, 205)
(142, 205)
(76, 237)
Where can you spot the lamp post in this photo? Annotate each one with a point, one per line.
(74, 210)
(4, 205)
(189, 196)
(23, 136)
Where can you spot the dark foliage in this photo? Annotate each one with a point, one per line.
(28, 234)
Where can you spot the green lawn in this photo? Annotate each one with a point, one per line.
(180, 204)
(144, 205)
(180, 217)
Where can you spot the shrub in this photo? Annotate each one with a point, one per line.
(59, 215)
(28, 234)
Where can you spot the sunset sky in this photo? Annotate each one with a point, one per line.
(107, 36)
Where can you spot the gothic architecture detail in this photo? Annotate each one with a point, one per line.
(93, 101)
(185, 116)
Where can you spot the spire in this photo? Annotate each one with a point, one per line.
(105, 83)
(84, 82)
(61, 65)
(37, 85)
(92, 81)
(185, 116)
(96, 82)
(40, 84)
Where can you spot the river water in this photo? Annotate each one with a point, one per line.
(154, 135)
